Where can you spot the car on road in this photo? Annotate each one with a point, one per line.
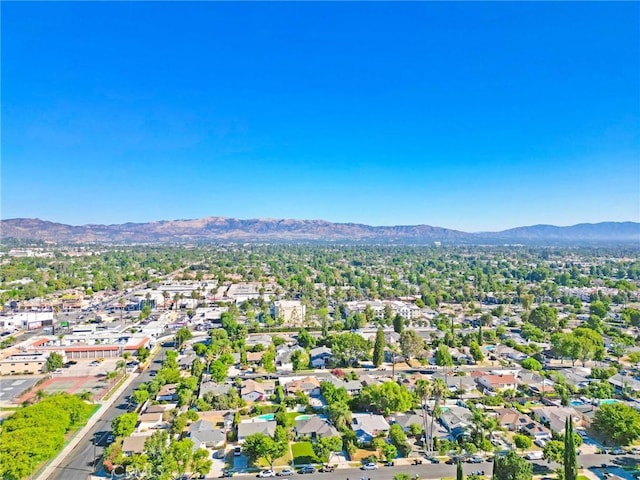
(537, 455)
(327, 468)
(153, 373)
(474, 459)
(94, 364)
(618, 451)
(431, 459)
(266, 473)
(237, 451)
(307, 469)
(453, 460)
(285, 472)
(110, 438)
(369, 466)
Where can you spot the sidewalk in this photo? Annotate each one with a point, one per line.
(79, 435)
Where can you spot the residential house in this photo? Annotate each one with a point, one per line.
(133, 445)
(258, 339)
(254, 358)
(315, 427)
(253, 391)
(405, 420)
(556, 417)
(511, 419)
(535, 383)
(214, 389)
(167, 393)
(250, 427)
(456, 420)
(204, 434)
(536, 431)
(319, 357)
(148, 421)
(368, 425)
(308, 385)
(624, 383)
(284, 358)
(496, 383)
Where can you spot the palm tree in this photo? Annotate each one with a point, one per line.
(165, 295)
(121, 302)
(423, 391)
(439, 390)
(120, 364)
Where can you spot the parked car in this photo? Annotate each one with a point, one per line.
(328, 468)
(226, 474)
(618, 451)
(307, 469)
(285, 472)
(432, 459)
(369, 466)
(474, 459)
(537, 455)
(237, 451)
(266, 473)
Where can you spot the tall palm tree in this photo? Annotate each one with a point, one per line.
(439, 390)
(423, 391)
(121, 302)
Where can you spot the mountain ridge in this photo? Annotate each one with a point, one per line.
(215, 228)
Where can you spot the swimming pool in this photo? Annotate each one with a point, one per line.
(608, 401)
(302, 417)
(576, 403)
(266, 417)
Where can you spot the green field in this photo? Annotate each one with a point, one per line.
(303, 453)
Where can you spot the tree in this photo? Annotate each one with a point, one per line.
(219, 371)
(378, 348)
(54, 361)
(350, 348)
(443, 357)
(522, 441)
(618, 422)
(459, 471)
(300, 360)
(259, 445)
(142, 354)
(570, 459)
(545, 318)
(598, 308)
(511, 467)
(402, 476)
(325, 446)
(389, 451)
(182, 336)
(124, 425)
(553, 451)
(340, 415)
(476, 352)
(398, 323)
(399, 439)
(411, 344)
(305, 340)
(531, 364)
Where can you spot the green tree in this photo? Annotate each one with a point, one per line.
(443, 357)
(522, 441)
(545, 318)
(598, 308)
(411, 344)
(182, 335)
(259, 446)
(570, 458)
(476, 352)
(511, 467)
(340, 415)
(378, 348)
(300, 360)
(54, 361)
(142, 354)
(305, 340)
(618, 422)
(389, 451)
(553, 451)
(325, 446)
(124, 425)
(532, 364)
(398, 323)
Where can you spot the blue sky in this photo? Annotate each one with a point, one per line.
(476, 116)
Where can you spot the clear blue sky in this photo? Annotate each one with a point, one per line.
(476, 116)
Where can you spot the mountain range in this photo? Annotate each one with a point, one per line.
(222, 229)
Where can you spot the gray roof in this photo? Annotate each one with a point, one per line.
(316, 425)
(203, 431)
(215, 388)
(249, 428)
(315, 352)
(406, 419)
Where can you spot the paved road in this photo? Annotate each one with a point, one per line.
(429, 471)
(79, 464)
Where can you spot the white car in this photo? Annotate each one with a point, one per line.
(266, 473)
(369, 466)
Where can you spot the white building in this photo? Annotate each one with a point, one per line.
(291, 311)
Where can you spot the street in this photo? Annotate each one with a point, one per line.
(442, 470)
(80, 463)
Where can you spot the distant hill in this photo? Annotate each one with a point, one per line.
(221, 229)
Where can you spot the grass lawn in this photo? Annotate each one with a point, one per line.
(360, 454)
(582, 477)
(303, 453)
(292, 416)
